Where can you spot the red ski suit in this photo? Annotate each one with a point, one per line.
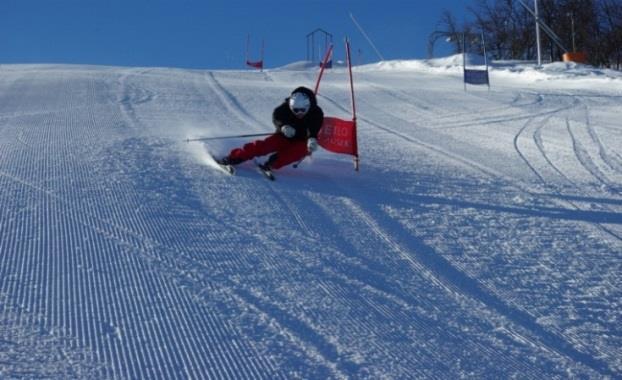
(286, 150)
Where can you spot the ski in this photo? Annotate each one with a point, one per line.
(265, 171)
(228, 169)
(225, 168)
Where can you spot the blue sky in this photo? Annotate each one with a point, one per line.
(211, 33)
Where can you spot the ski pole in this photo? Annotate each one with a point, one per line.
(227, 137)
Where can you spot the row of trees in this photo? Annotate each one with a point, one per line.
(510, 32)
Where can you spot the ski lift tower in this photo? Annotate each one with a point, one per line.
(314, 40)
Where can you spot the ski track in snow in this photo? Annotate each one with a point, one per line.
(471, 244)
(525, 320)
(580, 153)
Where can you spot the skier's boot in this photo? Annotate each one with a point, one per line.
(266, 169)
(229, 161)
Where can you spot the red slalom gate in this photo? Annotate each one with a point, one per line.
(339, 135)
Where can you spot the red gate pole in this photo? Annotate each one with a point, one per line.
(356, 149)
(329, 51)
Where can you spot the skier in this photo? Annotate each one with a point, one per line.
(297, 121)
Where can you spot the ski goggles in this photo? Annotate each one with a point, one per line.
(299, 111)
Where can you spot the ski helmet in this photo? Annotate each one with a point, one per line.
(299, 103)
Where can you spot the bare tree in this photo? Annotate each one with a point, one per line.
(447, 29)
(610, 16)
(592, 26)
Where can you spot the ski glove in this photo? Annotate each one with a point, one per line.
(288, 131)
(312, 144)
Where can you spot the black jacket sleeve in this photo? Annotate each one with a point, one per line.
(280, 116)
(314, 123)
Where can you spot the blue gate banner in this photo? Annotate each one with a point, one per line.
(476, 76)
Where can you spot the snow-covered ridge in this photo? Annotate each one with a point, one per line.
(517, 70)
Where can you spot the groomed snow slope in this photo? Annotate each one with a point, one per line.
(482, 237)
